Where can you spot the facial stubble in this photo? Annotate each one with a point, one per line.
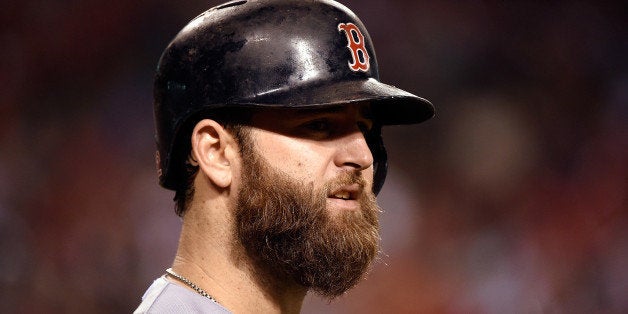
(287, 230)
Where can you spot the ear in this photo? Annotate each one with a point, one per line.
(212, 149)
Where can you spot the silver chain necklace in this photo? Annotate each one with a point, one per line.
(186, 281)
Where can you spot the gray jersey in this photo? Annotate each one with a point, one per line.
(164, 296)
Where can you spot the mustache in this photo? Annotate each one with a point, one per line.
(343, 179)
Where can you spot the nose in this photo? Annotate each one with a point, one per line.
(353, 151)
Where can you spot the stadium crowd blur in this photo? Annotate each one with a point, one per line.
(512, 200)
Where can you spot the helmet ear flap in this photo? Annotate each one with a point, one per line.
(380, 158)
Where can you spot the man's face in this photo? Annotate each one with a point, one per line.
(305, 207)
(315, 145)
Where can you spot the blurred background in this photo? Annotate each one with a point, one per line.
(513, 199)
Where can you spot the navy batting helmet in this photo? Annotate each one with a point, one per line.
(273, 53)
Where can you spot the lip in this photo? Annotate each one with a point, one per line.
(352, 191)
(345, 197)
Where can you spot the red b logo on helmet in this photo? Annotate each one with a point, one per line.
(356, 45)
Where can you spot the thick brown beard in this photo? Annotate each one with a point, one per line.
(287, 230)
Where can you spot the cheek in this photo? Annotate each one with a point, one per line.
(305, 163)
(301, 160)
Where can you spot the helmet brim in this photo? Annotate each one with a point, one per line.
(390, 105)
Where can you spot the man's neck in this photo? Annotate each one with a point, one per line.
(215, 261)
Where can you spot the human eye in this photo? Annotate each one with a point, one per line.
(317, 128)
(318, 125)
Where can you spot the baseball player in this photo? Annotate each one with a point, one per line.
(268, 119)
